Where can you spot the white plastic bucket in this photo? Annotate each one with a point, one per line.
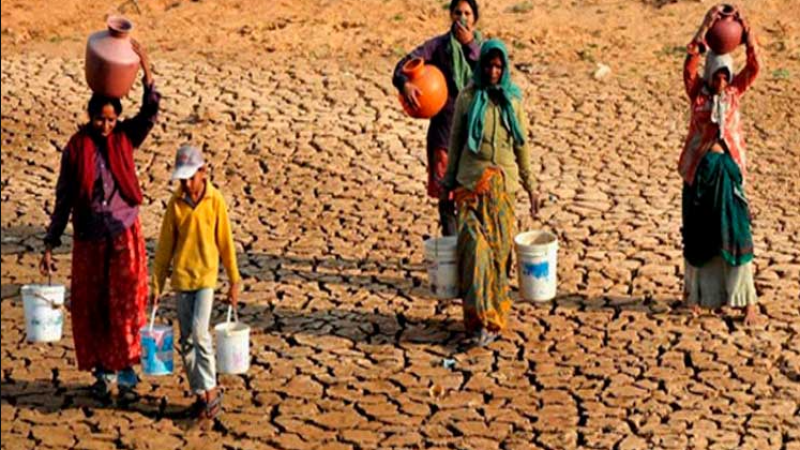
(233, 345)
(441, 259)
(537, 259)
(44, 315)
(157, 344)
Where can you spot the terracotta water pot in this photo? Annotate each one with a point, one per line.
(726, 33)
(111, 63)
(432, 86)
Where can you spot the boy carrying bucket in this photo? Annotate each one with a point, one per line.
(195, 236)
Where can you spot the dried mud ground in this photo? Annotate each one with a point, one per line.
(325, 181)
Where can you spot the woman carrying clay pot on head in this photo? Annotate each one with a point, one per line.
(98, 186)
(717, 240)
(455, 54)
(488, 162)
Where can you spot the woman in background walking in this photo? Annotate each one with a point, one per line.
(455, 53)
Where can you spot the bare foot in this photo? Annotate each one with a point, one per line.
(751, 316)
(696, 311)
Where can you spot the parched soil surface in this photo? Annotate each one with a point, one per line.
(324, 175)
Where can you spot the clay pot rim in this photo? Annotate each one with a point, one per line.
(413, 66)
(728, 10)
(119, 25)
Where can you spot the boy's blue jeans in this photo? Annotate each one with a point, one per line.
(196, 344)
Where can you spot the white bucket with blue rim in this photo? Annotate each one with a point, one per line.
(44, 314)
(157, 344)
(537, 258)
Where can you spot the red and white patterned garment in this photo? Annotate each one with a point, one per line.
(109, 295)
(437, 167)
(702, 131)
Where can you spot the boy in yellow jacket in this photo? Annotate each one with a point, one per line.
(195, 236)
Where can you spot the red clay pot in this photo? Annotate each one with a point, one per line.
(432, 85)
(111, 63)
(726, 33)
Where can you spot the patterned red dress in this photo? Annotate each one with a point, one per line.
(703, 133)
(109, 296)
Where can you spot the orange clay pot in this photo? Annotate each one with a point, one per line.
(111, 63)
(432, 85)
(726, 33)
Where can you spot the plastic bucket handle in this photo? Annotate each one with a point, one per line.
(153, 318)
(233, 310)
(52, 303)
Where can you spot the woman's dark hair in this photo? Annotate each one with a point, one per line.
(472, 4)
(492, 54)
(98, 102)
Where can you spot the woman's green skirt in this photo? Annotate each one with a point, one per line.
(717, 240)
(716, 217)
(485, 231)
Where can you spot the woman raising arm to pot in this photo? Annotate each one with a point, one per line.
(98, 186)
(717, 239)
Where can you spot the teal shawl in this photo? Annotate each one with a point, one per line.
(462, 72)
(506, 90)
(716, 216)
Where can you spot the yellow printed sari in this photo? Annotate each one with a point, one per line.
(485, 229)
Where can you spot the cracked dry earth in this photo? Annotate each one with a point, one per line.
(324, 177)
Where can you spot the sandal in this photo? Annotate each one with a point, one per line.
(101, 391)
(209, 409)
(473, 337)
(127, 395)
(213, 407)
(487, 337)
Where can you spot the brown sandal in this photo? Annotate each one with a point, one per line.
(210, 408)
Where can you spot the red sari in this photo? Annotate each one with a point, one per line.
(109, 295)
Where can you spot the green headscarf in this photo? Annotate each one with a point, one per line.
(506, 91)
(462, 71)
